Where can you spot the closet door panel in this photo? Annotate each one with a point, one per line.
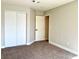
(10, 28)
(21, 28)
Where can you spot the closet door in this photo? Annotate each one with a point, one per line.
(21, 28)
(10, 28)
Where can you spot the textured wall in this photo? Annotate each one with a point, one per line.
(63, 26)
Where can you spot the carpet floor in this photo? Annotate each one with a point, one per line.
(38, 50)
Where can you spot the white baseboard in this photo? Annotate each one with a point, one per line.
(67, 49)
(2, 47)
(40, 40)
(29, 43)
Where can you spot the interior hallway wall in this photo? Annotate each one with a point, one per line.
(32, 25)
(39, 13)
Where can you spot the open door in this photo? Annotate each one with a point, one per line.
(42, 28)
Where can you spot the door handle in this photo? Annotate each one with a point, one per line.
(36, 29)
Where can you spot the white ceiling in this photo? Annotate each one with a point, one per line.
(44, 5)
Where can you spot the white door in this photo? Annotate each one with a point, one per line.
(40, 28)
(10, 28)
(21, 27)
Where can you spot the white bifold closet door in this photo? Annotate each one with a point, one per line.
(10, 28)
(15, 28)
(21, 28)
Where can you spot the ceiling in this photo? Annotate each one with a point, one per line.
(44, 5)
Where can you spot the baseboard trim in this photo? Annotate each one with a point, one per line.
(39, 40)
(3, 47)
(62, 47)
(29, 43)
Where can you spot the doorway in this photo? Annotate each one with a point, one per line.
(42, 28)
(47, 28)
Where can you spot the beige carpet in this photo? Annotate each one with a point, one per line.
(38, 50)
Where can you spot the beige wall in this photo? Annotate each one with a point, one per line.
(63, 26)
(39, 13)
(32, 25)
